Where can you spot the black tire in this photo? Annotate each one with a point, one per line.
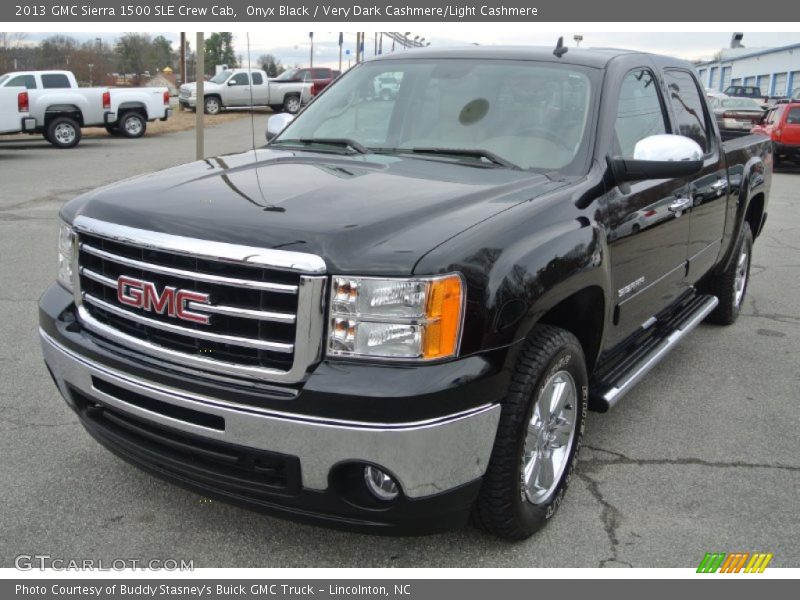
(132, 125)
(724, 285)
(63, 132)
(636, 228)
(112, 130)
(776, 160)
(291, 104)
(212, 105)
(502, 507)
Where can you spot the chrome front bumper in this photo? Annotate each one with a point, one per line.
(426, 457)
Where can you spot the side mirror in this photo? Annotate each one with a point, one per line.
(662, 156)
(231, 81)
(277, 123)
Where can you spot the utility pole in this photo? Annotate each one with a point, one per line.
(311, 58)
(380, 44)
(358, 46)
(341, 42)
(200, 106)
(375, 51)
(182, 68)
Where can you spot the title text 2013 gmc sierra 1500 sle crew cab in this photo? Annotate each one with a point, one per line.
(397, 313)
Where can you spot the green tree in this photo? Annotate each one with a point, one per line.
(271, 66)
(133, 51)
(219, 50)
(161, 53)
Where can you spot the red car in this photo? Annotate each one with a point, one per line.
(782, 125)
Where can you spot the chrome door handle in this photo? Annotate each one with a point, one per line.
(680, 204)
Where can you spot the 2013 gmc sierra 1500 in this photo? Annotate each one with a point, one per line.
(397, 313)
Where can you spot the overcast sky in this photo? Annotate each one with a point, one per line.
(293, 47)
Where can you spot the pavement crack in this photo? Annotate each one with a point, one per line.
(610, 516)
(617, 458)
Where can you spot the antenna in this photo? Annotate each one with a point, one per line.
(561, 49)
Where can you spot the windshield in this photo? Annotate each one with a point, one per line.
(530, 114)
(741, 103)
(287, 74)
(221, 77)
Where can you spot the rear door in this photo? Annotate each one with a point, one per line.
(648, 230)
(708, 189)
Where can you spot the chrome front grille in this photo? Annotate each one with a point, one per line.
(264, 311)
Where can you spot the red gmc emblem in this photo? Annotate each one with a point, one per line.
(171, 301)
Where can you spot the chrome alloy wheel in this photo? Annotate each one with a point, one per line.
(133, 126)
(292, 104)
(64, 133)
(551, 432)
(740, 282)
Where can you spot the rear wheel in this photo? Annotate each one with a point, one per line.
(63, 132)
(730, 286)
(538, 437)
(291, 104)
(132, 125)
(112, 130)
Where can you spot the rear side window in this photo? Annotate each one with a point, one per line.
(26, 81)
(55, 80)
(322, 73)
(639, 112)
(258, 79)
(687, 106)
(793, 118)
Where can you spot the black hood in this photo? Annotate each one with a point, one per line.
(364, 214)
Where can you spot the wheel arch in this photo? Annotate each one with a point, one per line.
(63, 110)
(133, 107)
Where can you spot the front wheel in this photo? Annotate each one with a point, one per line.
(538, 437)
(63, 132)
(212, 105)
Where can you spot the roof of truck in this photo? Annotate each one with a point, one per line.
(590, 57)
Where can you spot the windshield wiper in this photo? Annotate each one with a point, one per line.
(474, 153)
(340, 142)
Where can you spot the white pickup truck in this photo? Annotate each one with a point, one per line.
(61, 107)
(233, 88)
(14, 115)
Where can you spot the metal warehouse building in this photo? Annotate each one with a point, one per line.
(775, 70)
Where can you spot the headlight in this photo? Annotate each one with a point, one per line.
(66, 251)
(417, 318)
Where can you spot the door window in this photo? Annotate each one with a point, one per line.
(793, 118)
(688, 107)
(639, 111)
(55, 80)
(258, 79)
(240, 79)
(26, 81)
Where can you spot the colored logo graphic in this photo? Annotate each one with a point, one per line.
(737, 562)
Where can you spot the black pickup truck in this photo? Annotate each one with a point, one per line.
(397, 313)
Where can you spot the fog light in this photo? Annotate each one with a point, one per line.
(380, 484)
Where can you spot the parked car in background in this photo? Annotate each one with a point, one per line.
(744, 91)
(387, 87)
(235, 88)
(59, 107)
(125, 112)
(14, 115)
(736, 116)
(782, 125)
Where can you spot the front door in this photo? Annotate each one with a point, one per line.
(648, 225)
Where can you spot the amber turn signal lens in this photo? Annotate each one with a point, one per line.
(443, 311)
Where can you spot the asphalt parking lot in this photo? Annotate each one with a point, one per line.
(703, 456)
